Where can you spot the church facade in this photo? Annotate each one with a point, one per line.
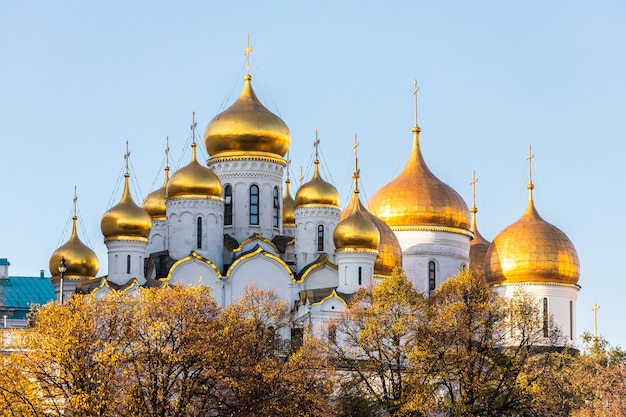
(234, 223)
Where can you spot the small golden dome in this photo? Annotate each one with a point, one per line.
(126, 220)
(154, 203)
(317, 191)
(247, 127)
(289, 206)
(80, 260)
(479, 245)
(194, 181)
(417, 197)
(389, 249)
(355, 231)
(531, 250)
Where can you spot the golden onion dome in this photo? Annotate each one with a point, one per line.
(289, 206)
(317, 191)
(531, 250)
(154, 203)
(247, 127)
(355, 231)
(194, 181)
(126, 220)
(417, 198)
(80, 260)
(389, 250)
(478, 245)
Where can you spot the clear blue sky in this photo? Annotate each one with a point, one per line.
(78, 79)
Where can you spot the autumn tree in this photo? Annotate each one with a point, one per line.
(374, 338)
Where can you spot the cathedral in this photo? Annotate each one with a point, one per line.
(234, 222)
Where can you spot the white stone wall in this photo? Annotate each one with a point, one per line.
(157, 241)
(307, 221)
(118, 252)
(449, 251)
(348, 264)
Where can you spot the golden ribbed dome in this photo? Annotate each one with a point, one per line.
(194, 181)
(417, 198)
(389, 250)
(126, 220)
(317, 191)
(80, 260)
(531, 250)
(479, 245)
(247, 127)
(355, 231)
(289, 206)
(154, 203)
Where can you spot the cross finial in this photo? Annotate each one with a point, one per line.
(530, 167)
(288, 164)
(75, 200)
(127, 156)
(301, 176)
(357, 172)
(316, 144)
(193, 127)
(473, 184)
(167, 152)
(595, 323)
(415, 90)
(246, 52)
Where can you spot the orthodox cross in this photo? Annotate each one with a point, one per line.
(193, 127)
(595, 322)
(530, 165)
(301, 176)
(473, 184)
(246, 52)
(316, 144)
(75, 200)
(288, 164)
(415, 90)
(167, 152)
(356, 157)
(127, 156)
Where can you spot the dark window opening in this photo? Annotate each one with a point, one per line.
(571, 320)
(360, 276)
(228, 205)
(254, 204)
(432, 281)
(276, 207)
(199, 232)
(320, 238)
(128, 264)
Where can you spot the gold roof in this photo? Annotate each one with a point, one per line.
(289, 206)
(247, 127)
(317, 191)
(479, 245)
(126, 220)
(194, 181)
(154, 203)
(355, 231)
(80, 260)
(417, 198)
(531, 250)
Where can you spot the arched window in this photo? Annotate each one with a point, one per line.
(199, 232)
(228, 205)
(320, 237)
(360, 276)
(276, 207)
(432, 277)
(254, 204)
(546, 318)
(128, 264)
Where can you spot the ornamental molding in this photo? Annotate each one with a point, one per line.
(432, 228)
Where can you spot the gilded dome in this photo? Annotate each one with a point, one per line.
(479, 245)
(289, 206)
(389, 250)
(126, 220)
(417, 198)
(194, 181)
(355, 231)
(531, 250)
(317, 191)
(80, 260)
(154, 203)
(247, 127)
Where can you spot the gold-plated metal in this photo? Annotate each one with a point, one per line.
(478, 245)
(80, 260)
(247, 126)
(532, 250)
(317, 191)
(154, 203)
(194, 181)
(355, 232)
(289, 206)
(417, 198)
(126, 220)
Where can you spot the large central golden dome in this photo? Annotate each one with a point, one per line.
(126, 220)
(531, 250)
(247, 127)
(417, 198)
(80, 260)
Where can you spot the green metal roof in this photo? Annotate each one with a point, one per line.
(17, 294)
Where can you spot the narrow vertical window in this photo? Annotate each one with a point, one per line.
(276, 207)
(228, 205)
(432, 282)
(545, 318)
(199, 233)
(116, 264)
(128, 264)
(254, 204)
(320, 238)
(360, 276)
(571, 320)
